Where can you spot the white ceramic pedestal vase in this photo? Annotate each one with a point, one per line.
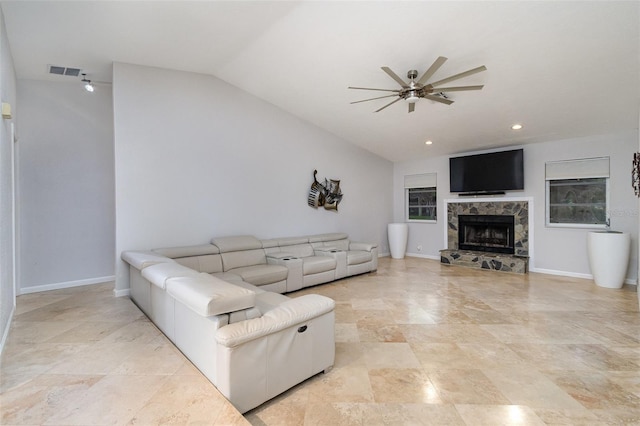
(398, 234)
(608, 257)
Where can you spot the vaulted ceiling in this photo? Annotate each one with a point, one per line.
(562, 69)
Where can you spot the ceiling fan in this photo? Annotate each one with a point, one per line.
(415, 89)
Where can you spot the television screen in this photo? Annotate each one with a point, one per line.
(492, 172)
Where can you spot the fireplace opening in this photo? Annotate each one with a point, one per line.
(491, 233)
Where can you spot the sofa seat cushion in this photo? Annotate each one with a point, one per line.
(228, 277)
(257, 290)
(262, 274)
(357, 257)
(317, 264)
(207, 295)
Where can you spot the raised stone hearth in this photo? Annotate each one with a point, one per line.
(484, 260)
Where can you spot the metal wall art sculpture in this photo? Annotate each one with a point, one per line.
(635, 174)
(327, 194)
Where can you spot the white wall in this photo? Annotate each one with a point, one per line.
(7, 205)
(198, 158)
(66, 184)
(556, 250)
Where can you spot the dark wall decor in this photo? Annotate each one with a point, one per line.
(327, 194)
(635, 174)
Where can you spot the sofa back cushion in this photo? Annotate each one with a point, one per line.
(210, 264)
(297, 246)
(337, 240)
(202, 258)
(239, 259)
(290, 241)
(299, 250)
(270, 244)
(328, 237)
(239, 251)
(237, 243)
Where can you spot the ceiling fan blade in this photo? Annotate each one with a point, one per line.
(372, 99)
(412, 107)
(394, 76)
(438, 99)
(389, 104)
(457, 89)
(461, 75)
(432, 69)
(369, 88)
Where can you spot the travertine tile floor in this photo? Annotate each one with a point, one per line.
(417, 343)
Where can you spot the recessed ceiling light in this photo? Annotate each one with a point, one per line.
(516, 127)
(428, 143)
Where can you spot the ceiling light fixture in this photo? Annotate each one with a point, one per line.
(87, 83)
(412, 97)
(428, 143)
(516, 127)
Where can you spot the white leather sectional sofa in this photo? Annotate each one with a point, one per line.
(221, 305)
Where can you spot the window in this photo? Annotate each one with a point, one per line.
(422, 203)
(578, 192)
(421, 199)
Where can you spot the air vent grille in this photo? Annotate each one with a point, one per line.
(73, 72)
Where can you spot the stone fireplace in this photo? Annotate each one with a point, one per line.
(488, 234)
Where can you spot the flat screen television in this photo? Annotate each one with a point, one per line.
(494, 172)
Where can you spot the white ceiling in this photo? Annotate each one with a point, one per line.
(562, 69)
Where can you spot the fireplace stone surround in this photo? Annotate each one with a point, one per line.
(485, 258)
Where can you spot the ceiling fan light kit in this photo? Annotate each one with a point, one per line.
(413, 90)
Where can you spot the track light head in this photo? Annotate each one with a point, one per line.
(87, 83)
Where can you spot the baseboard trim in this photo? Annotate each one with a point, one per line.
(574, 275)
(122, 292)
(5, 332)
(67, 284)
(423, 256)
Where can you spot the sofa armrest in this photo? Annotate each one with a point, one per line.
(362, 246)
(142, 259)
(207, 295)
(293, 264)
(287, 314)
(158, 274)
